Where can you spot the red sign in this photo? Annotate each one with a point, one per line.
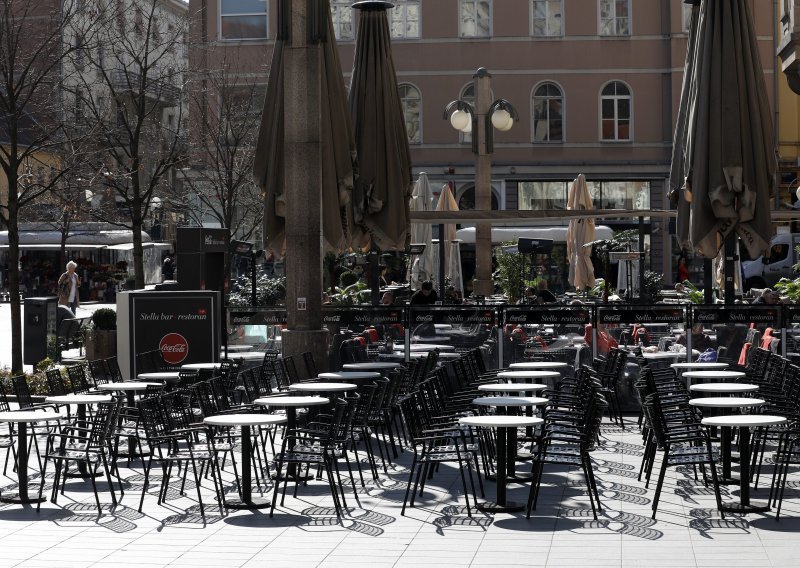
(174, 348)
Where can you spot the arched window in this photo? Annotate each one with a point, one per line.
(548, 113)
(616, 112)
(411, 101)
(466, 201)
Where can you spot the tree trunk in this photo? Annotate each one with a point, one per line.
(138, 254)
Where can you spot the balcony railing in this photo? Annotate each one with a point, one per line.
(157, 88)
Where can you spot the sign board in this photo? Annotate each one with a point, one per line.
(576, 315)
(244, 316)
(343, 317)
(641, 314)
(452, 315)
(184, 325)
(763, 315)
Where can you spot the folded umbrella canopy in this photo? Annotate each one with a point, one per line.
(724, 143)
(337, 145)
(580, 232)
(422, 268)
(384, 182)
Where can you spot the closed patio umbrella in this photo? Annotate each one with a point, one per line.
(422, 268)
(337, 147)
(384, 181)
(580, 232)
(447, 233)
(725, 148)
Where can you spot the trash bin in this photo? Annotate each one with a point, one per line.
(39, 329)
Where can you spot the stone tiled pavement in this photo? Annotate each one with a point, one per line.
(305, 532)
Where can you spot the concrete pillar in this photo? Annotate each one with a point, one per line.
(303, 183)
(483, 283)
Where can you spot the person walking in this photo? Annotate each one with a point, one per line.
(68, 285)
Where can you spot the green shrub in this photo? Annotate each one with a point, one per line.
(348, 278)
(105, 319)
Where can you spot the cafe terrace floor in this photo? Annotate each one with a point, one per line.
(305, 532)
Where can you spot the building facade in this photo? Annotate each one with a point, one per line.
(596, 84)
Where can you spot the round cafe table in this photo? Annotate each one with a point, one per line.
(716, 375)
(724, 388)
(744, 422)
(237, 348)
(22, 418)
(726, 405)
(246, 356)
(504, 425)
(81, 401)
(699, 366)
(162, 376)
(245, 422)
(322, 387)
(372, 366)
(538, 365)
(528, 376)
(503, 403)
(414, 347)
(345, 376)
(201, 366)
(511, 387)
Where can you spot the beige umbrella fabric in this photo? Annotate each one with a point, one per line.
(580, 232)
(447, 203)
(337, 150)
(422, 268)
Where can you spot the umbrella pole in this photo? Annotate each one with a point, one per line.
(730, 268)
(441, 262)
(374, 275)
(641, 261)
(708, 281)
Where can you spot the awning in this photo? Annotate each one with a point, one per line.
(54, 246)
(511, 234)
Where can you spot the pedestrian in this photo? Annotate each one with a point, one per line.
(168, 268)
(68, 286)
(426, 295)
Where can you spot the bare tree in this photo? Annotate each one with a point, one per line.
(31, 55)
(222, 149)
(132, 102)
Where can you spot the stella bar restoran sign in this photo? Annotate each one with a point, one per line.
(542, 315)
(644, 314)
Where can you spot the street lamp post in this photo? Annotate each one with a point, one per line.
(481, 120)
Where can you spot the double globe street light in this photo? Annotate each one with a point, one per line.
(480, 120)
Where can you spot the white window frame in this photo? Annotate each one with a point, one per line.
(615, 98)
(400, 7)
(221, 15)
(419, 114)
(615, 17)
(563, 114)
(533, 12)
(461, 32)
(338, 6)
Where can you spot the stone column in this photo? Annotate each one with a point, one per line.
(303, 189)
(483, 283)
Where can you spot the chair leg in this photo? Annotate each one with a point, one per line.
(148, 466)
(660, 483)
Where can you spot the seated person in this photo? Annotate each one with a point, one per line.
(388, 298)
(451, 296)
(604, 340)
(700, 340)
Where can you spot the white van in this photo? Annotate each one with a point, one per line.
(766, 271)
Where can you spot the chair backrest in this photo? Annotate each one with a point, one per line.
(250, 383)
(202, 393)
(104, 421)
(99, 371)
(4, 405)
(311, 366)
(22, 391)
(153, 418)
(55, 382)
(114, 372)
(290, 365)
(78, 379)
(187, 378)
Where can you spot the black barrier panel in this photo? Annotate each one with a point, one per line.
(347, 316)
(453, 315)
(546, 315)
(791, 316)
(641, 314)
(767, 316)
(239, 316)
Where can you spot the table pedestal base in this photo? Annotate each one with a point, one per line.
(745, 509)
(515, 478)
(494, 507)
(21, 500)
(252, 503)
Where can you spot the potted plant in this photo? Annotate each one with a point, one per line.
(101, 336)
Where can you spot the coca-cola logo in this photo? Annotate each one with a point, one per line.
(174, 348)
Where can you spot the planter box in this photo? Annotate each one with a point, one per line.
(100, 344)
